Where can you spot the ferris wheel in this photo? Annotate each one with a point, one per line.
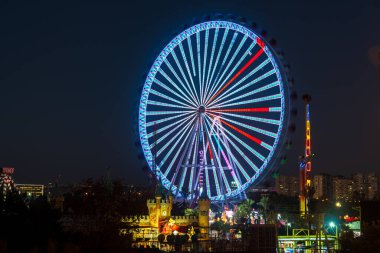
(213, 111)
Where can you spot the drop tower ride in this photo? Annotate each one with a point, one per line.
(305, 162)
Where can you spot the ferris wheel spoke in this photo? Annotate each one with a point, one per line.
(157, 103)
(217, 83)
(188, 155)
(199, 175)
(168, 134)
(256, 129)
(173, 147)
(191, 54)
(175, 85)
(224, 61)
(199, 64)
(183, 97)
(205, 60)
(220, 169)
(244, 144)
(218, 88)
(255, 100)
(264, 88)
(159, 94)
(233, 156)
(188, 69)
(151, 123)
(226, 159)
(234, 162)
(245, 66)
(216, 180)
(217, 59)
(211, 60)
(205, 163)
(257, 119)
(231, 88)
(254, 109)
(154, 113)
(245, 157)
(192, 168)
(165, 136)
(249, 148)
(194, 96)
(252, 138)
(229, 93)
(168, 126)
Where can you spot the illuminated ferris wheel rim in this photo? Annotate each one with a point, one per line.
(155, 69)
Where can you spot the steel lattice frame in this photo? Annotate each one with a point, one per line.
(6, 184)
(212, 110)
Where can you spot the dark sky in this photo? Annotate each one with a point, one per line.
(69, 78)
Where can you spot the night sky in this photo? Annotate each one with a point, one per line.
(70, 75)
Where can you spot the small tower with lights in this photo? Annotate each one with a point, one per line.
(6, 181)
(203, 216)
(305, 161)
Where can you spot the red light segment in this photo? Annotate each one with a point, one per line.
(263, 109)
(242, 132)
(260, 42)
(238, 73)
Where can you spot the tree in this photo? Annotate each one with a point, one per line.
(220, 227)
(244, 209)
(191, 212)
(264, 204)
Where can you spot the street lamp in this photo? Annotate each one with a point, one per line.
(287, 227)
(333, 225)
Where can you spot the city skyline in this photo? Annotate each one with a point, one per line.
(70, 86)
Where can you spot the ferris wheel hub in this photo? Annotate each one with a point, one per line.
(201, 109)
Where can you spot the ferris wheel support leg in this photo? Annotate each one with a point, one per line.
(185, 153)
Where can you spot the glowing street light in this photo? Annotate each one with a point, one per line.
(287, 228)
(333, 225)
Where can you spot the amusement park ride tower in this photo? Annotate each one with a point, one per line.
(305, 162)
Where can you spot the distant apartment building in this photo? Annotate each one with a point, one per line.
(373, 186)
(366, 185)
(287, 185)
(323, 186)
(31, 190)
(342, 189)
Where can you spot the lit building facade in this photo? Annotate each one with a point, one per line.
(342, 189)
(323, 186)
(373, 186)
(160, 221)
(31, 190)
(366, 185)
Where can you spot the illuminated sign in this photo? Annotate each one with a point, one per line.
(8, 170)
